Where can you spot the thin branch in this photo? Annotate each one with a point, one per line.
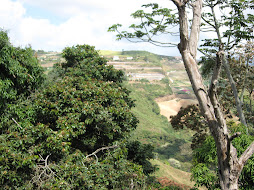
(208, 22)
(157, 42)
(147, 33)
(160, 44)
(235, 135)
(101, 149)
(43, 173)
(16, 123)
(247, 154)
(216, 25)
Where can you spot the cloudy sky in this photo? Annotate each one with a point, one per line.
(52, 25)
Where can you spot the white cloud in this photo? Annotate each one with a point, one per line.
(84, 21)
(10, 13)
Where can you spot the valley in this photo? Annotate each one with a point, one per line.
(160, 87)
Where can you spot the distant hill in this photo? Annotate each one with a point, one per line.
(150, 77)
(136, 55)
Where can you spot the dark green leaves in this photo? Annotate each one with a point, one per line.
(20, 72)
(46, 134)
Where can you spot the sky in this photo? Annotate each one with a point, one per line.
(52, 25)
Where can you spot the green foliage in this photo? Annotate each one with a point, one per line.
(22, 166)
(246, 180)
(191, 118)
(140, 154)
(205, 177)
(89, 113)
(204, 170)
(76, 54)
(84, 61)
(20, 72)
(204, 164)
(52, 139)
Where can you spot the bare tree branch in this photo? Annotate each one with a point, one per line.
(195, 28)
(247, 154)
(101, 149)
(16, 123)
(235, 135)
(208, 22)
(43, 173)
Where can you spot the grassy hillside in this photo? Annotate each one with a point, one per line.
(174, 174)
(150, 59)
(154, 128)
(109, 53)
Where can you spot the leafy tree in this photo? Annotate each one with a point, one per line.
(140, 154)
(90, 113)
(20, 72)
(204, 170)
(191, 118)
(158, 21)
(85, 61)
(70, 134)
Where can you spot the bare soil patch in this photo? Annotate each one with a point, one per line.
(170, 105)
(51, 64)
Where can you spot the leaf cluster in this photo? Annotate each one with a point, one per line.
(20, 73)
(46, 138)
(191, 118)
(204, 170)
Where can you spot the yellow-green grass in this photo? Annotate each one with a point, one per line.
(109, 53)
(179, 176)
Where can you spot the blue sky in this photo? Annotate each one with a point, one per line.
(52, 25)
(37, 12)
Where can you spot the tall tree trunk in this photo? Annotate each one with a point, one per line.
(229, 165)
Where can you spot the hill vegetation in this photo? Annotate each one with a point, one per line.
(154, 128)
(77, 122)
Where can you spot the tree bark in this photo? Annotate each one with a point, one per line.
(229, 165)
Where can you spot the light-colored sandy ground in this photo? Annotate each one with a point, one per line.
(51, 64)
(170, 105)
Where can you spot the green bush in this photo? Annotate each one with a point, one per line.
(20, 72)
(204, 170)
(71, 133)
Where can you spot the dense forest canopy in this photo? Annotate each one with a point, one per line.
(69, 129)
